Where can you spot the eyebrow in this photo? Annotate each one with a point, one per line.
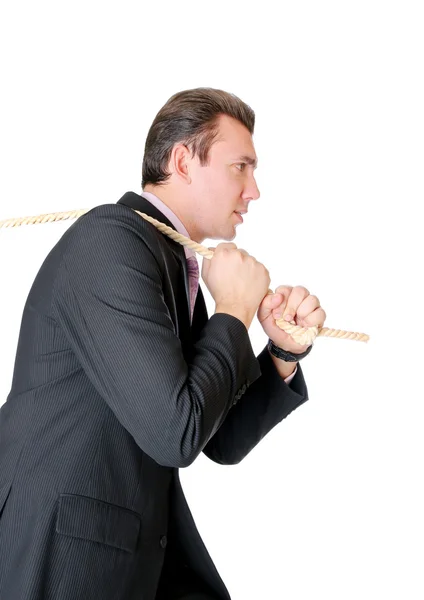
(249, 160)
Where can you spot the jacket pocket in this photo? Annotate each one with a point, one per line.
(98, 521)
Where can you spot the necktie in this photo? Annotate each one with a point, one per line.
(193, 277)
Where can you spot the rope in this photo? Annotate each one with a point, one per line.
(301, 335)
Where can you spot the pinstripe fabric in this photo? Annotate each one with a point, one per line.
(112, 392)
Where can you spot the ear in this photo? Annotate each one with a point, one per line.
(180, 162)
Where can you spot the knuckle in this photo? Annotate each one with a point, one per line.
(225, 246)
(283, 288)
(301, 288)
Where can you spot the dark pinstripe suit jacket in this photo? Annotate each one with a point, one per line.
(112, 392)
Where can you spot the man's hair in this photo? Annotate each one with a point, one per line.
(190, 117)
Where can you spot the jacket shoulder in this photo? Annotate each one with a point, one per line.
(115, 224)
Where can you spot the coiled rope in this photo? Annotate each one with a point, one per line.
(301, 335)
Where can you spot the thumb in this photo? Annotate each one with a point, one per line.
(213, 250)
(268, 304)
(274, 300)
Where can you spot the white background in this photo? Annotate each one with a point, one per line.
(330, 504)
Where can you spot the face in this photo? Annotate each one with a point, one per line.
(226, 185)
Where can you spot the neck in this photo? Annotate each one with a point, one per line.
(171, 199)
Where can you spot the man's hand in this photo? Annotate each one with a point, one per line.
(299, 305)
(236, 281)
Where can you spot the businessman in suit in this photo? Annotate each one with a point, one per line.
(120, 377)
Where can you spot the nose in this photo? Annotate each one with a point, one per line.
(251, 190)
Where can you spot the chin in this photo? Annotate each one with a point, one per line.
(227, 235)
(230, 237)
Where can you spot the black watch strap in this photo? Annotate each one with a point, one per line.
(285, 355)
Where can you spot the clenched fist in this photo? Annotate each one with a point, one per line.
(236, 280)
(294, 304)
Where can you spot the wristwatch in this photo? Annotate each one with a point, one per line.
(285, 355)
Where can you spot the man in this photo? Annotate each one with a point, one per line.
(120, 378)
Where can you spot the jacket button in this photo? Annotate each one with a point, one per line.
(163, 541)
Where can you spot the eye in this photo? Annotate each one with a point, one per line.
(241, 165)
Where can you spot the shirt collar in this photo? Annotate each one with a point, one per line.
(169, 214)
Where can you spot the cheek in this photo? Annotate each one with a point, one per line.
(210, 185)
(228, 189)
(219, 193)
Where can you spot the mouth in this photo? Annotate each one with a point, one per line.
(239, 215)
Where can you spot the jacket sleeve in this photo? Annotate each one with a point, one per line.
(108, 300)
(264, 404)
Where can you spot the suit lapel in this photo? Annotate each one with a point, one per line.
(137, 202)
(200, 315)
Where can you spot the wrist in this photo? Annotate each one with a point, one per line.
(285, 355)
(237, 312)
(284, 368)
